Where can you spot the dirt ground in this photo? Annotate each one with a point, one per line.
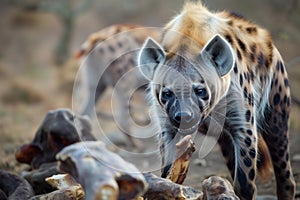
(31, 84)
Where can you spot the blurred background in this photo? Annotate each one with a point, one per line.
(38, 39)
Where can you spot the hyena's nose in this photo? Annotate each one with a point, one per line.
(182, 118)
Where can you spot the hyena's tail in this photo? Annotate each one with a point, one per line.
(264, 162)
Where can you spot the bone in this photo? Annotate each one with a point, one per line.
(179, 168)
(102, 174)
(65, 183)
(70, 193)
(160, 188)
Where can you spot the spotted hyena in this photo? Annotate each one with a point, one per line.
(106, 58)
(214, 66)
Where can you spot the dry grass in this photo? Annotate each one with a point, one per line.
(20, 91)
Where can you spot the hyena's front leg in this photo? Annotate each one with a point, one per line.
(245, 169)
(244, 140)
(168, 141)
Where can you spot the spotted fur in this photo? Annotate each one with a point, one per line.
(210, 66)
(105, 57)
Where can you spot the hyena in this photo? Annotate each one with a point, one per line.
(106, 57)
(214, 66)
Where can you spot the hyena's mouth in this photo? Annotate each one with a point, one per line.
(189, 131)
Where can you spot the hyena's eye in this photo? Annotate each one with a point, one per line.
(167, 94)
(201, 92)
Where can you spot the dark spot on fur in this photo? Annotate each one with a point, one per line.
(239, 55)
(252, 153)
(248, 115)
(120, 44)
(252, 57)
(248, 141)
(245, 93)
(280, 88)
(260, 59)
(248, 77)
(276, 99)
(287, 157)
(101, 50)
(286, 82)
(287, 187)
(251, 174)
(249, 132)
(241, 45)
(250, 96)
(247, 162)
(251, 76)
(230, 23)
(266, 63)
(242, 152)
(261, 78)
(278, 65)
(229, 38)
(235, 69)
(245, 75)
(276, 82)
(251, 30)
(253, 48)
(272, 84)
(111, 49)
(252, 120)
(282, 68)
(287, 174)
(241, 80)
(283, 165)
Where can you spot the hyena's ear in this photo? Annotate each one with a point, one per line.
(219, 52)
(150, 57)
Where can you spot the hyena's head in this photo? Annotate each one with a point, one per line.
(187, 82)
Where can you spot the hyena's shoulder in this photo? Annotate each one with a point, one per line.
(134, 36)
(99, 36)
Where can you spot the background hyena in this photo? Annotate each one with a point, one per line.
(108, 59)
